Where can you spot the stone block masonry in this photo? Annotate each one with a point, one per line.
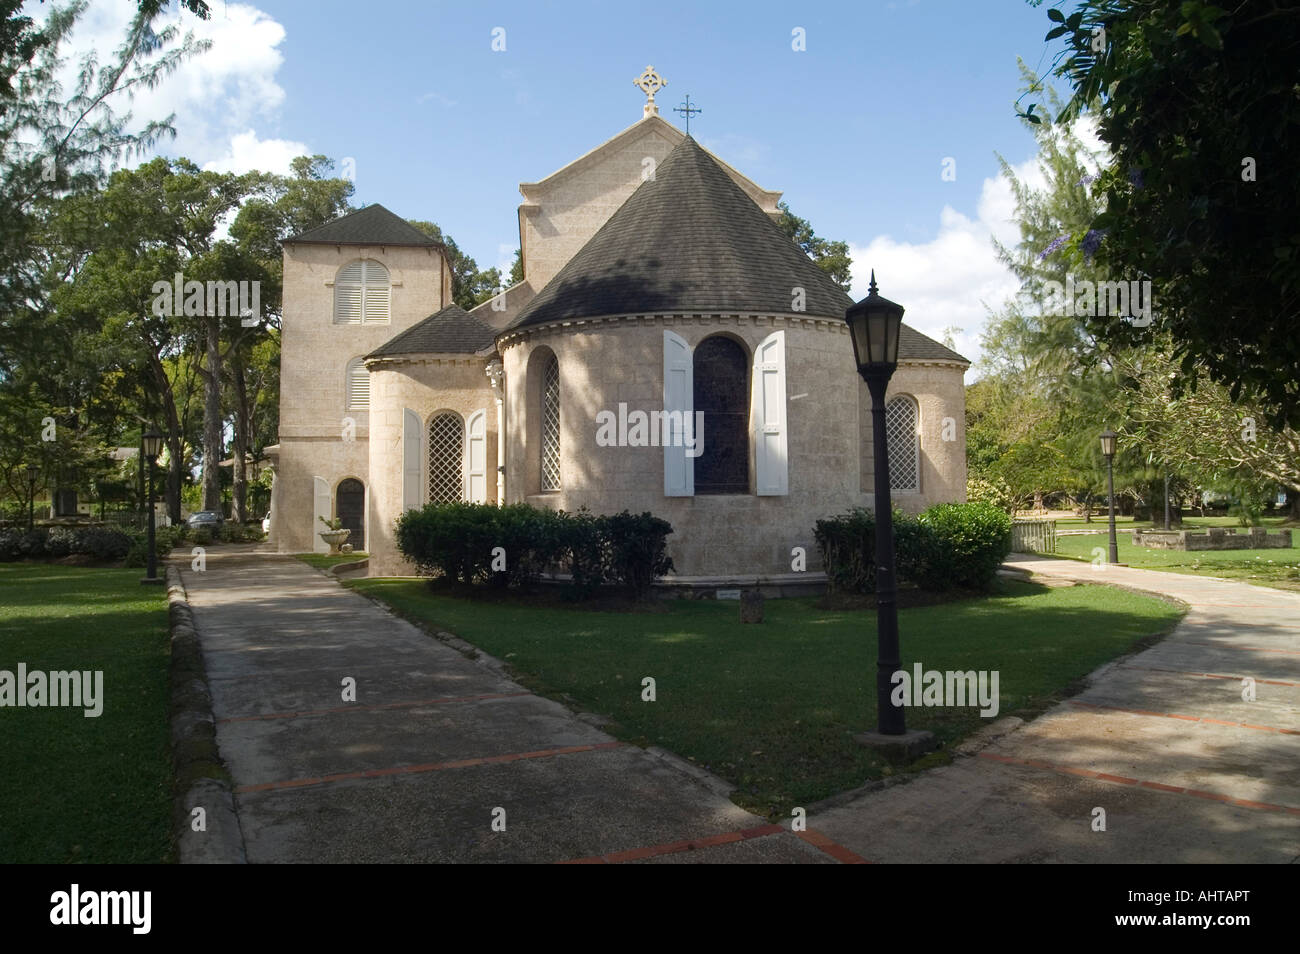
(1216, 538)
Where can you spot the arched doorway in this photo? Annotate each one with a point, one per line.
(350, 508)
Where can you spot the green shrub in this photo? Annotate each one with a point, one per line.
(165, 539)
(973, 540)
(230, 532)
(454, 540)
(636, 550)
(60, 541)
(457, 541)
(202, 537)
(848, 547)
(950, 545)
(102, 543)
(16, 544)
(584, 551)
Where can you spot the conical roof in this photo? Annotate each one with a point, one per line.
(450, 331)
(688, 240)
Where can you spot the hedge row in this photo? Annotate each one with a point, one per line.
(515, 544)
(100, 543)
(111, 543)
(949, 545)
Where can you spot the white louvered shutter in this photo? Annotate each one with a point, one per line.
(377, 289)
(411, 495)
(770, 432)
(347, 294)
(321, 508)
(679, 397)
(358, 385)
(476, 457)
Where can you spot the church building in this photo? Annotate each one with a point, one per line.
(669, 349)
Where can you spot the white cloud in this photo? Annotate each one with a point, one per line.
(954, 279)
(217, 97)
(247, 153)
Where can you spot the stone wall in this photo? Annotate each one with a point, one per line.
(314, 439)
(1216, 538)
(605, 362)
(427, 386)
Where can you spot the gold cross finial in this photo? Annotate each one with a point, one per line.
(650, 83)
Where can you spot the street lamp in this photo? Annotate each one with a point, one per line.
(874, 324)
(1108, 451)
(32, 471)
(151, 447)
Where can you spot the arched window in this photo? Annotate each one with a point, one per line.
(358, 385)
(721, 384)
(361, 293)
(446, 458)
(550, 443)
(904, 445)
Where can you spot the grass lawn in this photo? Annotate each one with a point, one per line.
(323, 561)
(773, 707)
(1276, 568)
(77, 789)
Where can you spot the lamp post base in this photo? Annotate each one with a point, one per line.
(145, 580)
(908, 747)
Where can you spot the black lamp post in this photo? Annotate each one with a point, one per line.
(151, 447)
(1108, 451)
(32, 471)
(875, 324)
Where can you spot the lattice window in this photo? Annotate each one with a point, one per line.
(446, 458)
(551, 425)
(904, 445)
(362, 292)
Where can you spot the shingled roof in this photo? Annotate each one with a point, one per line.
(372, 225)
(691, 241)
(918, 347)
(450, 331)
(688, 240)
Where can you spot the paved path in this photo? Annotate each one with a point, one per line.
(413, 769)
(1185, 769)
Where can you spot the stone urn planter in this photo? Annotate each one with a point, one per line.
(335, 538)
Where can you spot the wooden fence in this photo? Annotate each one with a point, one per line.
(1033, 536)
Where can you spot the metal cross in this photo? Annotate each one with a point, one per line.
(687, 110)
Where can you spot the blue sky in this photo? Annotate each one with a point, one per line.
(853, 129)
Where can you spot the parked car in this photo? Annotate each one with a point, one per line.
(266, 522)
(205, 518)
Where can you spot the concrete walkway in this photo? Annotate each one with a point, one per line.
(418, 767)
(1184, 768)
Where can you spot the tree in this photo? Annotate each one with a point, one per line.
(1204, 432)
(831, 257)
(1198, 106)
(469, 286)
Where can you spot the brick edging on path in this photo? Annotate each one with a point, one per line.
(200, 779)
